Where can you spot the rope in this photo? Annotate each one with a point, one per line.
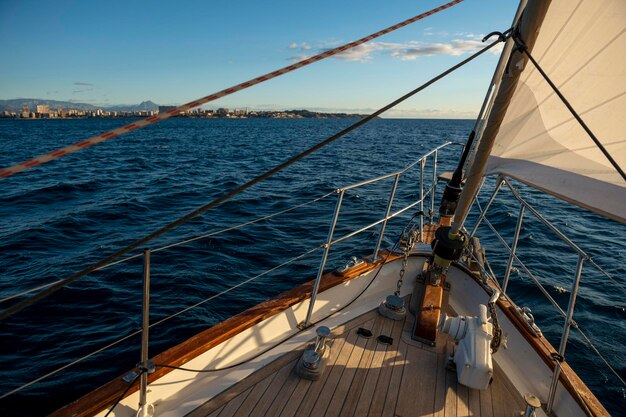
(54, 288)
(121, 397)
(6, 172)
(522, 47)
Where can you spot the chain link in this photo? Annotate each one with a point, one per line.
(407, 241)
(497, 331)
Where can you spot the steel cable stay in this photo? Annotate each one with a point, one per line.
(257, 220)
(182, 242)
(560, 234)
(597, 352)
(160, 321)
(549, 298)
(6, 172)
(191, 307)
(228, 195)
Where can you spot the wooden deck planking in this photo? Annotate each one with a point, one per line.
(270, 395)
(380, 394)
(336, 372)
(231, 407)
(353, 394)
(356, 362)
(373, 373)
(255, 395)
(364, 377)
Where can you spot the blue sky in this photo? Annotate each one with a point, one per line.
(118, 52)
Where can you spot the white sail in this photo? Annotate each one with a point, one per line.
(582, 48)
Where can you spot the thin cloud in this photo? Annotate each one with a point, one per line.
(83, 84)
(406, 51)
(302, 47)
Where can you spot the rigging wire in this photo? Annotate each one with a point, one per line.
(6, 172)
(162, 320)
(54, 288)
(522, 47)
(574, 324)
(369, 284)
(597, 352)
(182, 242)
(136, 332)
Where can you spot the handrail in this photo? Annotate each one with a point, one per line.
(377, 222)
(403, 170)
(582, 258)
(158, 322)
(330, 242)
(340, 191)
(259, 219)
(182, 242)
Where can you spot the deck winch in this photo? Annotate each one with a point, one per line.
(473, 357)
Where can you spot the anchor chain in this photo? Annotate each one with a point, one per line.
(497, 331)
(407, 242)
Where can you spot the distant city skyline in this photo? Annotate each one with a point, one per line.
(114, 53)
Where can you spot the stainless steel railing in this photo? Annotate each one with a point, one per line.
(383, 221)
(511, 249)
(329, 243)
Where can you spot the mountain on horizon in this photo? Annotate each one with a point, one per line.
(16, 105)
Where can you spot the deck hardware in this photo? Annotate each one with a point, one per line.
(529, 319)
(385, 340)
(375, 256)
(129, 377)
(364, 333)
(313, 360)
(472, 356)
(532, 403)
(393, 307)
(148, 368)
(353, 262)
(145, 409)
(320, 271)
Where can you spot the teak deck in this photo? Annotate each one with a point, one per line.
(366, 378)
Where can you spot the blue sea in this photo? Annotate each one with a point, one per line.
(61, 217)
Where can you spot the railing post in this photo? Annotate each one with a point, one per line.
(422, 162)
(320, 271)
(484, 212)
(509, 264)
(384, 224)
(431, 214)
(565, 335)
(145, 409)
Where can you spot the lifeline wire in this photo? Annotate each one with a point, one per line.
(184, 310)
(41, 159)
(54, 288)
(369, 284)
(182, 242)
(160, 321)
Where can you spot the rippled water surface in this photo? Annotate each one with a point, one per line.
(59, 218)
